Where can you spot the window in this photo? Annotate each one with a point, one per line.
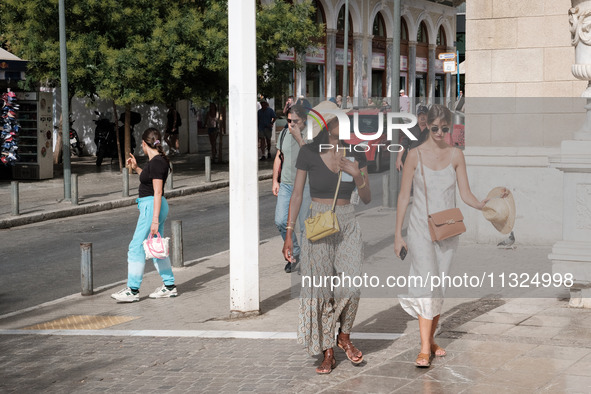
(379, 27)
(441, 41)
(422, 34)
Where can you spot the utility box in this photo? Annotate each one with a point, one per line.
(35, 145)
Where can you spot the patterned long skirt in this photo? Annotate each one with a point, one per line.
(328, 269)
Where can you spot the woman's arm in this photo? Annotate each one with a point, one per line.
(408, 171)
(295, 203)
(276, 172)
(157, 184)
(362, 183)
(463, 184)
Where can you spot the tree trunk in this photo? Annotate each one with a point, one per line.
(127, 131)
(116, 121)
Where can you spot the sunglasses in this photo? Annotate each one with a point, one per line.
(435, 129)
(292, 120)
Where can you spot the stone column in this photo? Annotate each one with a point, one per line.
(331, 70)
(357, 67)
(301, 76)
(369, 64)
(412, 71)
(389, 63)
(572, 255)
(431, 75)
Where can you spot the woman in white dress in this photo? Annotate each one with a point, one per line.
(443, 167)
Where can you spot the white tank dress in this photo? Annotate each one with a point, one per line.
(428, 258)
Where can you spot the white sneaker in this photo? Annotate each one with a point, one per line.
(125, 295)
(163, 292)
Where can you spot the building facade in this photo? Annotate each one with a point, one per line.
(427, 29)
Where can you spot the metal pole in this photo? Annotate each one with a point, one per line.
(86, 268)
(346, 58)
(74, 189)
(65, 103)
(15, 202)
(394, 175)
(177, 243)
(169, 181)
(125, 176)
(385, 189)
(207, 169)
(458, 71)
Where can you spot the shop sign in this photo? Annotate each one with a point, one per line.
(340, 55)
(422, 65)
(315, 55)
(438, 66)
(289, 56)
(403, 63)
(378, 61)
(447, 56)
(449, 66)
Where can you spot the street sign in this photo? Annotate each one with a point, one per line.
(449, 66)
(447, 56)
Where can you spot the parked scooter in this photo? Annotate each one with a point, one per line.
(75, 144)
(105, 137)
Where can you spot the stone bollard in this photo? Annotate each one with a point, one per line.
(14, 194)
(177, 243)
(86, 268)
(74, 199)
(125, 175)
(207, 169)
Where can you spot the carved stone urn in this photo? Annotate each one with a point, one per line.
(580, 29)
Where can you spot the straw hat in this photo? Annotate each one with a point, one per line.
(500, 211)
(318, 121)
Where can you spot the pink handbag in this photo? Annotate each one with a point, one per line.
(156, 247)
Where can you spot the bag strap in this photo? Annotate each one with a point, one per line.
(336, 193)
(282, 137)
(424, 181)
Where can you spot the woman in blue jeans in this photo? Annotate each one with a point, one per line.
(153, 209)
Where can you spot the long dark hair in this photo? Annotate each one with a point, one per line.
(153, 139)
(322, 137)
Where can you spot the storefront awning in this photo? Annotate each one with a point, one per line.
(11, 66)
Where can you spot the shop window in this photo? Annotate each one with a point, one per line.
(422, 35)
(441, 41)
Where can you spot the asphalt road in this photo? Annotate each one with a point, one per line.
(41, 262)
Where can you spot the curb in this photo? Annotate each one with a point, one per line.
(108, 205)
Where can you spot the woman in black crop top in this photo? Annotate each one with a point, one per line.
(321, 308)
(153, 209)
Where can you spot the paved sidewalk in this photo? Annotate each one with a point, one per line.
(189, 344)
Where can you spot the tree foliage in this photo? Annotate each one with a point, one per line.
(137, 51)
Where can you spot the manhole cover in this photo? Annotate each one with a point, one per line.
(81, 322)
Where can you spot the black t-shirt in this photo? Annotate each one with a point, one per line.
(157, 168)
(323, 182)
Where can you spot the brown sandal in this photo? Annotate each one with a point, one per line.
(328, 363)
(345, 343)
(423, 360)
(435, 347)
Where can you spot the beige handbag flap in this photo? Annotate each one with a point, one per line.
(449, 216)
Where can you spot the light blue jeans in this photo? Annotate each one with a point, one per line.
(136, 257)
(282, 210)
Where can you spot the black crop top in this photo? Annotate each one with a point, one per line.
(157, 168)
(323, 182)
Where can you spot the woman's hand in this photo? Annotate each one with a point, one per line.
(132, 162)
(350, 167)
(154, 228)
(288, 249)
(398, 244)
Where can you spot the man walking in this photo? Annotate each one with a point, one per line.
(288, 146)
(266, 119)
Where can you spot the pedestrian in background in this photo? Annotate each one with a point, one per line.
(153, 209)
(404, 102)
(212, 123)
(266, 119)
(321, 308)
(288, 147)
(420, 131)
(444, 167)
(171, 135)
